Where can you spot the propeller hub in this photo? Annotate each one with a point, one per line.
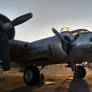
(5, 25)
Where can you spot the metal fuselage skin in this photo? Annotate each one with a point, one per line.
(50, 51)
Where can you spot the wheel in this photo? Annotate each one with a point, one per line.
(80, 72)
(42, 79)
(31, 76)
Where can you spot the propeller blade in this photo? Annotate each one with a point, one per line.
(75, 38)
(57, 34)
(71, 60)
(61, 38)
(4, 51)
(22, 19)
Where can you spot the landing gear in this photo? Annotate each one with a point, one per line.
(80, 72)
(31, 76)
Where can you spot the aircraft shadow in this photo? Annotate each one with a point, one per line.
(27, 88)
(74, 86)
(77, 85)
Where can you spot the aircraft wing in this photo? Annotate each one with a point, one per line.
(22, 53)
(25, 54)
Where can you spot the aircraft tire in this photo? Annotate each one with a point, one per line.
(31, 76)
(80, 72)
(42, 79)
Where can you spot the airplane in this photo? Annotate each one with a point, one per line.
(71, 47)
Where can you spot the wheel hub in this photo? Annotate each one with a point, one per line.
(28, 75)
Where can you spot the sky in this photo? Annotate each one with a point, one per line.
(47, 14)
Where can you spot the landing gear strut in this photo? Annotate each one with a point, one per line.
(80, 72)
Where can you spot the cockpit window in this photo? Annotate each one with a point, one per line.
(81, 31)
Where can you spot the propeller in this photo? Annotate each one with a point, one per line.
(21, 19)
(17, 21)
(7, 33)
(61, 38)
(67, 44)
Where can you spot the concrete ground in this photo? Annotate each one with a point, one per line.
(57, 79)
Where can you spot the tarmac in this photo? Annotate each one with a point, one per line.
(57, 79)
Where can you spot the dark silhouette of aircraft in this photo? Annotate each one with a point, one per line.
(70, 47)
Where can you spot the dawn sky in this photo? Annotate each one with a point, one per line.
(47, 14)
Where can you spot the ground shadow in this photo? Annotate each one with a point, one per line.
(75, 85)
(78, 85)
(27, 88)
